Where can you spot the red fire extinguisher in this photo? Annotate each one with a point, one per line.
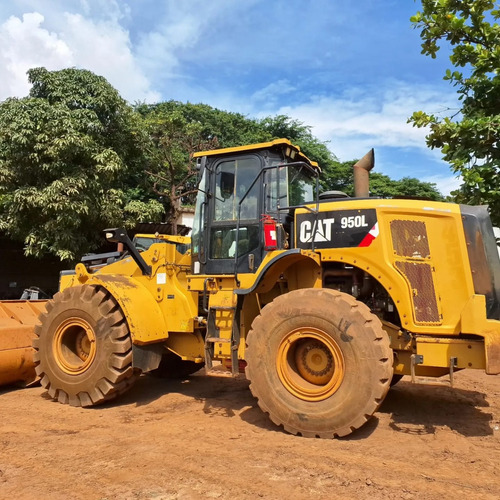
(270, 235)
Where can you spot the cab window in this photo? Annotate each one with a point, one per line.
(232, 181)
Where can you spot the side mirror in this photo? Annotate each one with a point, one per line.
(116, 235)
(119, 235)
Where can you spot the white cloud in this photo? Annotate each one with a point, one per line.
(369, 117)
(100, 46)
(25, 44)
(104, 48)
(274, 91)
(445, 184)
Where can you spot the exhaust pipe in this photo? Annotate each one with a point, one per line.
(361, 174)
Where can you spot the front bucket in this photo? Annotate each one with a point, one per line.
(17, 321)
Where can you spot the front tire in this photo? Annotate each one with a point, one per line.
(83, 349)
(319, 362)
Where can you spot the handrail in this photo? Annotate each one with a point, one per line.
(278, 208)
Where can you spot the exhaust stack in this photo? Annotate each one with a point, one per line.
(361, 174)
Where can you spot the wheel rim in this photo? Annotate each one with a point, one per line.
(74, 345)
(310, 364)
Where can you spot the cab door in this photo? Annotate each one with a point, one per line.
(233, 239)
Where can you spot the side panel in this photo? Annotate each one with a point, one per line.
(300, 269)
(416, 250)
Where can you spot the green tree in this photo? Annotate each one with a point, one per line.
(339, 177)
(382, 185)
(172, 141)
(69, 153)
(470, 139)
(282, 126)
(228, 128)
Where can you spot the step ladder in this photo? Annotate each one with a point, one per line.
(213, 337)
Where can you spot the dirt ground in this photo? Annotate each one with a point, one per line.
(206, 438)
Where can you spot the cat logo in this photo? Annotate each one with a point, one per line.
(337, 229)
(317, 231)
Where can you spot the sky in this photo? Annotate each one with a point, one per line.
(352, 71)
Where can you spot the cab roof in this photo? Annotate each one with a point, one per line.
(294, 150)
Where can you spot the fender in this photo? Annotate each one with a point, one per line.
(143, 315)
(275, 266)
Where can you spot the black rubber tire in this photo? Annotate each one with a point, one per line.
(103, 375)
(173, 367)
(367, 362)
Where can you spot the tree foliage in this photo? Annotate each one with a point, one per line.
(66, 153)
(469, 140)
(340, 177)
(172, 141)
(177, 130)
(76, 158)
(282, 126)
(228, 128)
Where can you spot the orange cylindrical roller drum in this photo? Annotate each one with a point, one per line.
(17, 321)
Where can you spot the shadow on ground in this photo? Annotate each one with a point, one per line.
(221, 395)
(411, 409)
(421, 409)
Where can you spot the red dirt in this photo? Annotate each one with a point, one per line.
(206, 438)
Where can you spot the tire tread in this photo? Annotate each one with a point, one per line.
(120, 374)
(375, 334)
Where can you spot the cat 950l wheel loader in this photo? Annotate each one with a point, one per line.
(324, 299)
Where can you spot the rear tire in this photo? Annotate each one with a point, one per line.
(319, 362)
(83, 349)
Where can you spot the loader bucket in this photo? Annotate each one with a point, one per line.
(17, 321)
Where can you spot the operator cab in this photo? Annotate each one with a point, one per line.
(240, 191)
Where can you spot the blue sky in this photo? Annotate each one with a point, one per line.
(351, 70)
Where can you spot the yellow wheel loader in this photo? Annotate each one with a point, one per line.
(324, 299)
